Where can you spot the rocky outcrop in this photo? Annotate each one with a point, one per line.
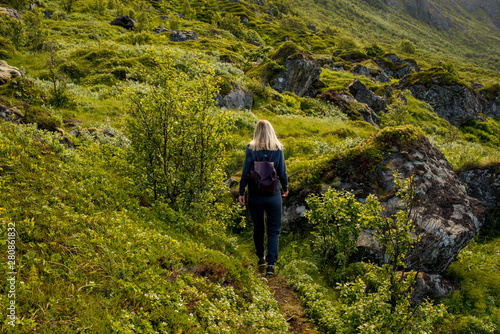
(425, 11)
(490, 102)
(10, 114)
(362, 94)
(124, 21)
(377, 75)
(396, 67)
(237, 98)
(183, 35)
(483, 184)
(446, 217)
(452, 101)
(8, 72)
(301, 72)
(10, 12)
(161, 29)
(347, 103)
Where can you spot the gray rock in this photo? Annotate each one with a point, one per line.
(362, 94)
(235, 99)
(10, 12)
(164, 18)
(490, 105)
(298, 77)
(161, 29)
(260, 2)
(345, 102)
(74, 133)
(183, 35)
(431, 287)
(377, 75)
(124, 21)
(10, 114)
(454, 102)
(476, 85)
(397, 68)
(483, 184)
(48, 14)
(8, 72)
(244, 19)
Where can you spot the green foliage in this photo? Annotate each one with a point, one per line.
(475, 305)
(346, 43)
(22, 89)
(177, 138)
(20, 5)
(337, 218)
(35, 29)
(374, 50)
(6, 48)
(58, 94)
(87, 244)
(232, 24)
(15, 31)
(68, 5)
(407, 46)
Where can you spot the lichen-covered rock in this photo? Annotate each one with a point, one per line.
(396, 67)
(483, 184)
(347, 104)
(237, 98)
(124, 21)
(301, 71)
(426, 11)
(10, 12)
(446, 217)
(161, 29)
(362, 94)
(8, 72)
(183, 35)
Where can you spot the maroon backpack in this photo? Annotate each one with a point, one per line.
(263, 176)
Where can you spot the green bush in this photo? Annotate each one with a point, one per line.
(407, 46)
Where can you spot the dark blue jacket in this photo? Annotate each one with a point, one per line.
(279, 165)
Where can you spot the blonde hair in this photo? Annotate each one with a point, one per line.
(264, 137)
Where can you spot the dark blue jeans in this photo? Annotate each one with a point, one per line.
(270, 205)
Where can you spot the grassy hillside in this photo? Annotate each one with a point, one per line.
(97, 254)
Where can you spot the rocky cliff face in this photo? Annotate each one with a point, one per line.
(452, 101)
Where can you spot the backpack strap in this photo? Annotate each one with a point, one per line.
(256, 156)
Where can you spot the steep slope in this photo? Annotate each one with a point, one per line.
(460, 30)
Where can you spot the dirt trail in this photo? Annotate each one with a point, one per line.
(290, 306)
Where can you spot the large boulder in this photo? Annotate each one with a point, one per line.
(446, 217)
(183, 35)
(237, 98)
(124, 21)
(8, 72)
(10, 12)
(349, 105)
(300, 73)
(426, 11)
(362, 94)
(451, 99)
(396, 67)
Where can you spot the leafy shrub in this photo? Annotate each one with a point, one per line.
(374, 50)
(346, 43)
(407, 46)
(22, 89)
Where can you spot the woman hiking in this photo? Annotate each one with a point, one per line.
(265, 146)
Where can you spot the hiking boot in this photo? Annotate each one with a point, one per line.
(261, 264)
(270, 270)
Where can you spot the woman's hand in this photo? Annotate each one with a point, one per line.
(285, 194)
(242, 200)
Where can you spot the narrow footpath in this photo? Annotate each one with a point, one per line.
(290, 306)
